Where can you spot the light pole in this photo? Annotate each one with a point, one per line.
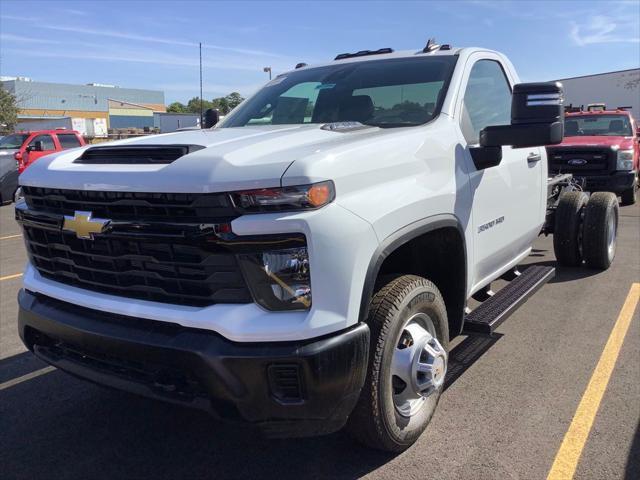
(201, 114)
(267, 69)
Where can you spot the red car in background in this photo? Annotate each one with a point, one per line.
(19, 150)
(601, 148)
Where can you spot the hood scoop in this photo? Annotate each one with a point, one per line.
(136, 154)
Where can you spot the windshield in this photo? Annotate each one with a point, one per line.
(386, 93)
(12, 142)
(607, 125)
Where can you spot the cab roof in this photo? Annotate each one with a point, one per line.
(385, 53)
(47, 132)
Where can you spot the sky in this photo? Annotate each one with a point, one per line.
(154, 44)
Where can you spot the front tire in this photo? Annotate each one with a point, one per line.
(407, 364)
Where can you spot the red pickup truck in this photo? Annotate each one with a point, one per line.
(19, 150)
(601, 148)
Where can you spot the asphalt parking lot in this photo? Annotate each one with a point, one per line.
(504, 415)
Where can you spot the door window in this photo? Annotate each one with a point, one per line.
(487, 100)
(68, 140)
(47, 142)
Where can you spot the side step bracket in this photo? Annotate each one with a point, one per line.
(495, 310)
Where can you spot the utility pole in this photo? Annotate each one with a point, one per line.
(201, 104)
(267, 69)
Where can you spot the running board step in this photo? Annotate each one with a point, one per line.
(491, 313)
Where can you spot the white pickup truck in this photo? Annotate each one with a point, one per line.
(303, 265)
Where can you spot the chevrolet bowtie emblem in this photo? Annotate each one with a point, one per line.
(84, 226)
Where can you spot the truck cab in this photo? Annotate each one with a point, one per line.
(19, 150)
(601, 149)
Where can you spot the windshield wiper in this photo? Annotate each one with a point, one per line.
(393, 124)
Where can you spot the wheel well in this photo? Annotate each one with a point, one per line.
(438, 255)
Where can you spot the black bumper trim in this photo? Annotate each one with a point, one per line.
(201, 369)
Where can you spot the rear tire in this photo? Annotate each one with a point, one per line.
(391, 414)
(630, 196)
(566, 232)
(600, 230)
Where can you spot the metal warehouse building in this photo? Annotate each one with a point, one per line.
(110, 105)
(615, 89)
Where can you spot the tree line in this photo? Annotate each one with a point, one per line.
(223, 104)
(8, 110)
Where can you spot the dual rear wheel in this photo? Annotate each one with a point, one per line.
(586, 229)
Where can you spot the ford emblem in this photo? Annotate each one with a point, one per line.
(577, 161)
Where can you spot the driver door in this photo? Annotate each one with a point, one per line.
(507, 203)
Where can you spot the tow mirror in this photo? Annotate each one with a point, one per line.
(537, 118)
(211, 118)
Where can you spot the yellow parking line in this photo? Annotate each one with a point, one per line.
(10, 236)
(26, 377)
(9, 277)
(566, 461)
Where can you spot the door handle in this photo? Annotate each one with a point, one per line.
(534, 157)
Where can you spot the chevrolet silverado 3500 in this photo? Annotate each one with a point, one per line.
(303, 265)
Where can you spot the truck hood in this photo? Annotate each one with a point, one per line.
(622, 143)
(233, 159)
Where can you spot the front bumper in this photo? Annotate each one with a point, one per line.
(284, 388)
(617, 182)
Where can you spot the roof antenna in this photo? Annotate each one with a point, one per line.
(430, 46)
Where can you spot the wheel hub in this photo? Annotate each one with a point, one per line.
(419, 365)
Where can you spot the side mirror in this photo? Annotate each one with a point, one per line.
(211, 118)
(537, 118)
(36, 147)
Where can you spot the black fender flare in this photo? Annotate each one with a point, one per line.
(396, 240)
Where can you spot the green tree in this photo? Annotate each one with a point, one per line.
(223, 104)
(193, 105)
(177, 107)
(234, 99)
(8, 110)
(227, 103)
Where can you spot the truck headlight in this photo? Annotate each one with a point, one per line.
(300, 197)
(279, 279)
(19, 195)
(625, 160)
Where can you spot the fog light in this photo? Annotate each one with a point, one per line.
(279, 279)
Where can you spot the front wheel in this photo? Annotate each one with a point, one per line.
(407, 364)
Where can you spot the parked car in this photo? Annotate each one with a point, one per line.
(601, 149)
(19, 150)
(303, 265)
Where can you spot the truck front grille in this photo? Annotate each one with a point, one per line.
(144, 268)
(161, 247)
(585, 160)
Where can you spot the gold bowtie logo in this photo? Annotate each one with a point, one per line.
(84, 226)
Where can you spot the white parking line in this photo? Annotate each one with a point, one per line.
(24, 378)
(10, 236)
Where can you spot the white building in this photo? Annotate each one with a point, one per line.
(615, 89)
